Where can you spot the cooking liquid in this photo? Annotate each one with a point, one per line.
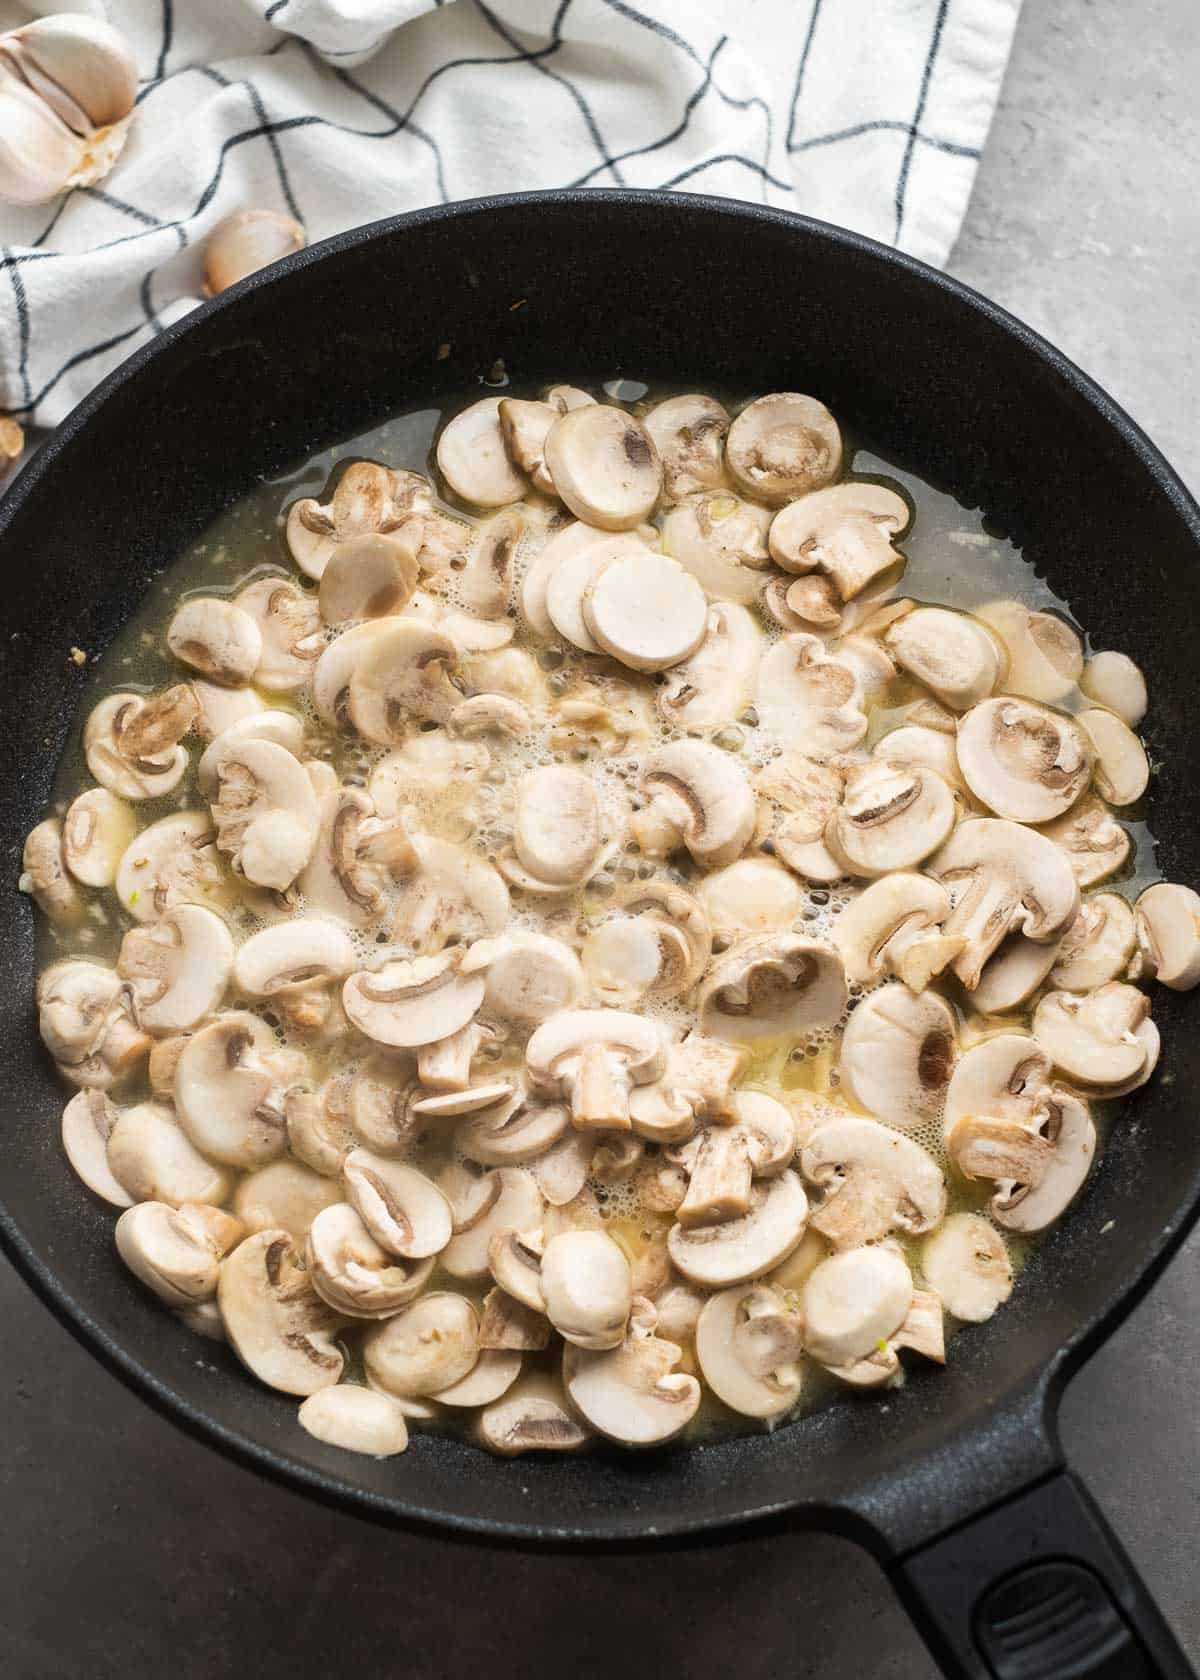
(954, 558)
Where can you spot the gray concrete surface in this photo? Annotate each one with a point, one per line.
(128, 1550)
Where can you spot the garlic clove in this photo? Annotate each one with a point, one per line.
(81, 67)
(38, 154)
(245, 242)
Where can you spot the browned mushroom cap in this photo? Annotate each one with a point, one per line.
(1094, 842)
(290, 626)
(1022, 760)
(891, 817)
(217, 639)
(784, 983)
(367, 577)
(473, 460)
(278, 1326)
(898, 1053)
(782, 446)
(44, 874)
(130, 776)
(605, 466)
(405, 1004)
(689, 433)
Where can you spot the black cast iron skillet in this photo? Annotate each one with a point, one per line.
(960, 1488)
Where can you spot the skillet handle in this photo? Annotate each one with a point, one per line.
(1037, 1588)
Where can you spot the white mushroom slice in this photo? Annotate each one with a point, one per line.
(356, 1420)
(1013, 974)
(278, 1326)
(1039, 1170)
(571, 539)
(485, 581)
(404, 1211)
(508, 1325)
(87, 1124)
(802, 794)
(320, 1132)
(604, 465)
(723, 1160)
(894, 927)
(177, 968)
(515, 1261)
(154, 1161)
(128, 776)
(230, 1083)
(1168, 935)
(644, 610)
(217, 639)
(1094, 842)
(891, 817)
(697, 1085)
(1099, 944)
(631, 957)
(699, 797)
(76, 1001)
(947, 651)
(492, 1375)
(784, 983)
(1122, 770)
(473, 460)
(452, 894)
(875, 1181)
(523, 426)
(169, 1251)
(528, 976)
(368, 498)
(632, 1394)
(898, 1053)
(966, 1261)
(381, 1095)
(854, 1301)
(1003, 878)
(809, 699)
(284, 728)
(506, 1199)
(749, 1348)
(563, 1170)
(674, 911)
(265, 812)
(401, 675)
(350, 1270)
(44, 875)
(782, 446)
(804, 603)
(97, 829)
(490, 714)
(450, 1105)
(556, 828)
(576, 570)
(533, 1416)
(368, 577)
(737, 1250)
(405, 1004)
(341, 878)
(587, 1289)
(679, 1307)
(845, 532)
(1100, 1040)
(714, 686)
(722, 541)
(915, 746)
(510, 1132)
(174, 861)
(445, 1065)
(872, 668)
(689, 433)
(594, 1057)
(563, 398)
(292, 957)
(426, 1347)
(506, 673)
(1113, 680)
(1005, 1078)
(334, 669)
(1022, 760)
(290, 627)
(220, 707)
(1045, 657)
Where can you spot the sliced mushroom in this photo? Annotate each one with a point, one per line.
(265, 812)
(749, 1349)
(490, 714)
(563, 1170)
(875, 1181)
(506, 1199)
(424, 1348)
(674, 908)
(689, 433)
(697, 1085)
(1122, 769)
(76, 1001)
(1013, 974)
(320, 1131)
(949, 652)
(722, 541)
(633, 1394)
(404, 1211)
(556, 828)
(604, 465)
(523, 426)
(177, 968)
(737, 1250)
(230, 1084)
(594, 1057)
(1003, 878)
(491, 1376)
(289, 625)
(571, 539)
(1103, 1041)
(753, 896)
(1044, 653)
(917, 746)
(528, 976)
(898, 1053)
(473, 460)
(350, 1270)
(576, 570)
(294, 959)
(802, 795)
(890, 817)
(1095, 843)
(485, 581)
(368, 577)
(44, 875)
(152, 1158)
(97, 829)
(515, 1261)
(854, 1301)
(724, 1160)
(511, 1131)
(782, 446)
(405, 1004)
(1168, 934)
(699, 797)
(644, 610)
(400, 675)
(445, 1065)
(845, 532)
(452, 894)
(1098, 945)
(966, 1261)
(895, 927)
(172, 862)
(129, 776)
(1113, 680)
(345, 876)
(217, 639)
(285, 1196)
(381, 1096)
(508, 1326)
(1004, 1077)
(533, 1416)
(355, 1420)
(171, 1251)
(451, 1105)
(627, 958)
(587, 1289)
(335, 667)
(784, 983)
(1038, 1169)
(679, 1307)
(220, 707)
(1022, 760)
(87, 1124)
(278, 1326)
(809, 699)
(714, 685)
(284, 728)
(368, 498)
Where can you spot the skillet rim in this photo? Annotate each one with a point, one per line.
(1034, 1401)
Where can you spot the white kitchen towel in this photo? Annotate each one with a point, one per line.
(869, 113)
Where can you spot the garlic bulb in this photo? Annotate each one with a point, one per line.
(247, 241)
(67, 87)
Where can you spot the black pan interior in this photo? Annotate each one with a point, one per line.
(652, 286)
